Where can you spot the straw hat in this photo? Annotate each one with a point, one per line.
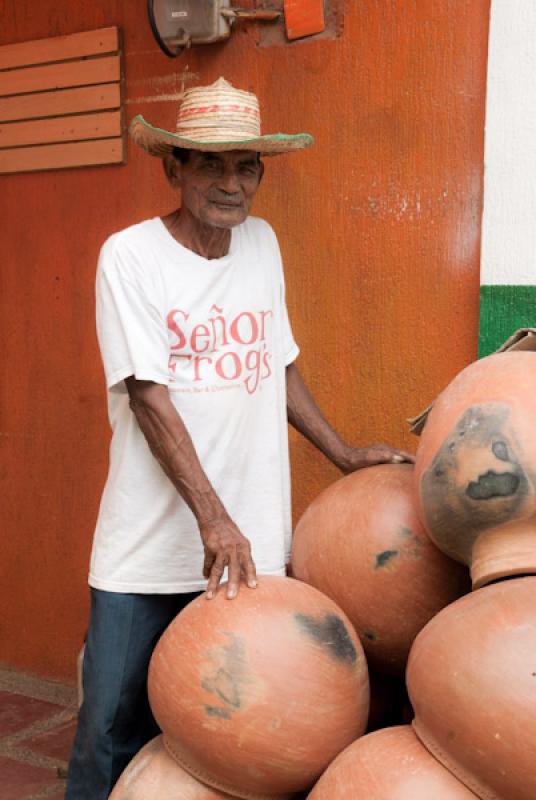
(213, 118)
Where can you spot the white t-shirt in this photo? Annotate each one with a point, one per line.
(216, 333)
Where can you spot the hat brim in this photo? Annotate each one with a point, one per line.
(158, 142)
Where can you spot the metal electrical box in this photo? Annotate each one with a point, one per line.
(184, 22)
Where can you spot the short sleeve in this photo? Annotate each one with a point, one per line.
(290, 348)
(131, 331)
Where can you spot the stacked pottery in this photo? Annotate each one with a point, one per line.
(361, 542)
(390, 764)
(154, 775)
(259, 697)
(472, 671)
(256, 696)
(472, 682)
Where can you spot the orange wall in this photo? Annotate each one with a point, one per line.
(379, 225)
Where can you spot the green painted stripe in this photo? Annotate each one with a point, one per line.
(503, 310)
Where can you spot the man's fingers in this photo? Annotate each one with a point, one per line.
(209, 561)
(234, 577)
(224, 547)
(400, 456)
(380, 454)
(216, 573)
(249, 571)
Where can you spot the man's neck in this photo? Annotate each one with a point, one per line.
(205, 240)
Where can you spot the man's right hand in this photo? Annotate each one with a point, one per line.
(224, 547)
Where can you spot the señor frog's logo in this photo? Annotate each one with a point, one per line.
(232, 348)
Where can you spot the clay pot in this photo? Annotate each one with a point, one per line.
(472, 682)
(390, 764)
(257, 695)
(361, 543)
(476, 468)
(154, 775)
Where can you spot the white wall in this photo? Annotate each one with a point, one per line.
(509, 224)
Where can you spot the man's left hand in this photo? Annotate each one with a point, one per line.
(358, 457)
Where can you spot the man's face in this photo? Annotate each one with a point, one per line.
(218, 188)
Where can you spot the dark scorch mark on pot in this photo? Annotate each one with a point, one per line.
(383, 558)
(225, 686)
(225, 678)
(493, 484)
(331, 633)
(500, 451)
(214, 711)
(459, 502)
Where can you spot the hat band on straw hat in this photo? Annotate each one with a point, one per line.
(219, 122)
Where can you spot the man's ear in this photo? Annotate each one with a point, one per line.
(173, 170)
(261, 170)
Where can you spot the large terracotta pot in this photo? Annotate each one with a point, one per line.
(361, 542)
(390, 764)
(154, 775)
(476, 467)
(472, 682)
(257, 695)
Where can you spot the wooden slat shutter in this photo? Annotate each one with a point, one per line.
(60, 102)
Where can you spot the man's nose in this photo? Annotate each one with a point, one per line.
(229, 182)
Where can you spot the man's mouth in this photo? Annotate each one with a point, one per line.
(225, 204)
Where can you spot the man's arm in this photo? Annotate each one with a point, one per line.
(306, 417)
(171, 445)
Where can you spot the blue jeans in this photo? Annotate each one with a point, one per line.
(115, 719)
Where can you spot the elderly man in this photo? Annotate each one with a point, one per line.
(199, 362)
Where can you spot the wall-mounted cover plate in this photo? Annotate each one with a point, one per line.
(304, 18)
(183, 22)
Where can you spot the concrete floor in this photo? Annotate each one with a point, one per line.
(37, 724)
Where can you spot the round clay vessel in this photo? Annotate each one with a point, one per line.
(390, 764)
(472, 682)
(476, 468)
(257, 695)
(154, 775)
(362, 543)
